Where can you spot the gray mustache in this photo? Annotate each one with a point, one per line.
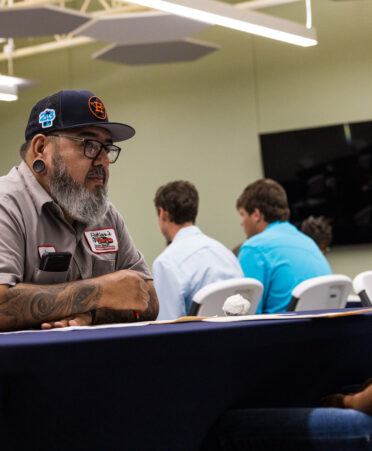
(97, 171)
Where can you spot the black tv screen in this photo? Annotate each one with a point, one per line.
(326, 171)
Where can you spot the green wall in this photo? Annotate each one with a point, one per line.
(200, 120)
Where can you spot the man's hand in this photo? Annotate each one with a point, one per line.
(125, 290)
(108, 316)
(82, 319)
(361, 401)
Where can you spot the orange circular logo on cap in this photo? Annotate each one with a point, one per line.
(97, 108)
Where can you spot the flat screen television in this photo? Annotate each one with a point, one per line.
(326, 171)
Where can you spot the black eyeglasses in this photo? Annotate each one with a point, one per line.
(93, 148)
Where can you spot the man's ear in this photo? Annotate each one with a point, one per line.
(163, 214)
(36, 155)
(258, 216)
(37, 146)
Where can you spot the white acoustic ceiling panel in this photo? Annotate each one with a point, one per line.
(155, 53)
(39, 21)
(139, 28)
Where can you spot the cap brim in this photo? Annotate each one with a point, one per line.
(119, 132)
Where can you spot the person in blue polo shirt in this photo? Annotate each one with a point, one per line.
(276, 252)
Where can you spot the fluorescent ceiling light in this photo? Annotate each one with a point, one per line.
(6, 80)
(9, 87)
(259, 4)
(225, 15)
(8, 97)
(8, 93)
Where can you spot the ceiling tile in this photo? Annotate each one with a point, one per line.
(138, 28)
(154, 53)
(39, 21)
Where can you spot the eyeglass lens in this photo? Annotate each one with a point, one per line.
(92, 149)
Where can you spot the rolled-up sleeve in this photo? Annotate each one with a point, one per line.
(12, 245)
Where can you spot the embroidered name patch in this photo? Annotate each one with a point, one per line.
(43, 249)
(47, 117)
(102, 240)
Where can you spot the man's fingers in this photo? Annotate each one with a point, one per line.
(55, 324)
(61, 323)
(82, 319)
(127, 290)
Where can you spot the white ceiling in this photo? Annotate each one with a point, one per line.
(121, 24)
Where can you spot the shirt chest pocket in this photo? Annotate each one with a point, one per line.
(101, 267)
(48, 277)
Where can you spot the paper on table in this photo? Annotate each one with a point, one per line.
(69, 328)
(264, 317)
(291, 315)
(183, 319)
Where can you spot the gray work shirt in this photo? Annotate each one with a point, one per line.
(31, 223)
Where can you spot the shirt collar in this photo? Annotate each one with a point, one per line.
(186, 232)
(271, 224)
(38, 194)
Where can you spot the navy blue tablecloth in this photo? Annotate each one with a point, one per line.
(160, 387)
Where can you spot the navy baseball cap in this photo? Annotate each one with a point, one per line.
(72, 109)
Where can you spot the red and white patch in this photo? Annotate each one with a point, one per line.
(43, 249)
(102, 240)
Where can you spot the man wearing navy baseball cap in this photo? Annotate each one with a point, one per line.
(66, 257)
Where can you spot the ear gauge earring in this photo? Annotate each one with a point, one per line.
(38, 166)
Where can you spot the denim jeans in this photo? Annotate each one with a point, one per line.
(291, 429)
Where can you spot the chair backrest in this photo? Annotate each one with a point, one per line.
(209, 300)
(323, 292)
(363, 287)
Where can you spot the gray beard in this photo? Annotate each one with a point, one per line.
(75, 199)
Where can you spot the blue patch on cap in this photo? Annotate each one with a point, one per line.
(47, 117)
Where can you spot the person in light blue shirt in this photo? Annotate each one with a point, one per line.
(276, 253)
(192, 259)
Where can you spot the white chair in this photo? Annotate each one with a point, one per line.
(208, 301)
(318, 293)
(354, 301)
(363, 287)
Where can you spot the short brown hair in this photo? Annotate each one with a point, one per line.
(269, 197)
(319, 229)
(180, 199)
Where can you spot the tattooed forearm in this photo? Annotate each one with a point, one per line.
(29, 305)
(113, 296)
(79, 299)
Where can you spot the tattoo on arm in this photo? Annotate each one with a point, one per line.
(28, 305)
(43, 305)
